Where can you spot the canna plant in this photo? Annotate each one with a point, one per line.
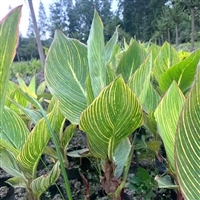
(20, 148)
(109, 92)
(92, 96)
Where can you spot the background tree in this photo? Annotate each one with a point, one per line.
(42, 21)
(30, 30)
(58, 16)
(140, 17)
(191, 7)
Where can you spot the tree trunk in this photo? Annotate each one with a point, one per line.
(192, 28)
(39, 44)
(176, 34)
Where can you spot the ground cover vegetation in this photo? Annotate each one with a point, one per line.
(126, 103)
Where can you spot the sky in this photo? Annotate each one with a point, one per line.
(4, 9)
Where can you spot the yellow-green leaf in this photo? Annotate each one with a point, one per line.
(131, 60)
(66, 72)
(183, 73)
(9, 28)
(113, 115)
(187, 144)
(141, 85)
(35, 144)
(42, 183)
(96, 55)
(13, 129)
(166, 58)
(167, 115)
(9, 164)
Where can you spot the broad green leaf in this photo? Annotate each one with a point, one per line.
(120, 156)
(113, 115)
(96, 55)
(141, 86)
(183, 73)
(42, 183)
(166, 58)
(131, 60)
(17, 182)
(9, 164)
(167, 115)
(13, 129)
(187, 145)
(110, 46)
(35, 144)
(66, 72)
(165, 182)
(9, 30)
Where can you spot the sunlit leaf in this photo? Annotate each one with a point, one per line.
(167, 115)
(113, 115)
(96, 55)
(183, 73)
(166, 58)
(131, 60)
(13, 129)
(35, 144)
(9, 30)
(141, 86)
(187, 147)
(66, 72)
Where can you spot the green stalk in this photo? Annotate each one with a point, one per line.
(54, 138)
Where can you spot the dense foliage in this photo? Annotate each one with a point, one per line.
(111, 92)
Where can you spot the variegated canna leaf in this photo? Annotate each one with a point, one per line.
(187, 146)
(166, 115)
(96, 55)
(112, 116)
(66, 72)
(35, 144)
(42, 183)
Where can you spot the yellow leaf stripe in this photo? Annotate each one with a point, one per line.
(113, 115)
(187, 146)
(66, 72)
(167, 115)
